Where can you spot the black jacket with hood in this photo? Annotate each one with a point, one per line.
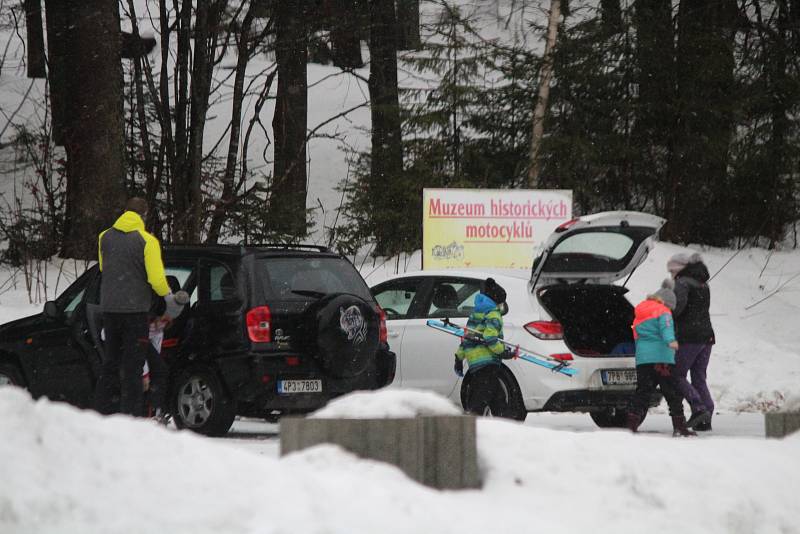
(692, 320)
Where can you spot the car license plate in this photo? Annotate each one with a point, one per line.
(619, 377)
(288, 387)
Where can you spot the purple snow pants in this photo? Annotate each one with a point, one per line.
(694, 357)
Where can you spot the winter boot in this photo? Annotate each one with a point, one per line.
(633, 421)
(703, 427)
(161, 417)
(679, 428)
(698, 418)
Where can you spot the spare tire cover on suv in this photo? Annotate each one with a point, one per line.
(347, 334)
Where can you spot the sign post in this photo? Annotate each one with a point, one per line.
(495, 228)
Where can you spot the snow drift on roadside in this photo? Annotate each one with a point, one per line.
(71, 471)
(386, 404)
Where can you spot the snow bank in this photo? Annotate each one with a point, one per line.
(387, 404)
(71, 471)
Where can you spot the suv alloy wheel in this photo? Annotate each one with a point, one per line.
(200, 403)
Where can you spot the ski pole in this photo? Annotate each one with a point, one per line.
(515, 348)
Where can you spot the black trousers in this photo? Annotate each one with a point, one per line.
(485, 392)
(125, 349)
(652, 375)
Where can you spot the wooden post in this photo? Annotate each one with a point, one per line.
(439, 451)
(781, 424)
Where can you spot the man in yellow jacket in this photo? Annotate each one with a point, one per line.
(132, 269)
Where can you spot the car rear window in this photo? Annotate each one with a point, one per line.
(595, 251)
(304, 278)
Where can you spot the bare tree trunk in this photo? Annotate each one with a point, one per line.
(202, 58)
(385, 183)
(167, 155)
(288, 191)
(58, 23)
(228, 188)
(94, 137)
(151, 186)
(539, 111)
(346, 20)
(181, 196)
(35, 39)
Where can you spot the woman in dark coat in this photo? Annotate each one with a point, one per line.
(694, 333)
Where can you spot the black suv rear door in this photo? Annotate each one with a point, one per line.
(216, 318)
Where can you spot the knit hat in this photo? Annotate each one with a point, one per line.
(679, 261)
(493, 290)
(666, 294)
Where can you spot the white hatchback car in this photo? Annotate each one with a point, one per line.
(568, 307)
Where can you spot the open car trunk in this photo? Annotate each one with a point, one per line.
(596, 319)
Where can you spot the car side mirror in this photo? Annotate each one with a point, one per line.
(51, 310)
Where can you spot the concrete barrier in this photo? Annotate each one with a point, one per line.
(780, 424)
(438, 451)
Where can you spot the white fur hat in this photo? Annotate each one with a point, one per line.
(678, 261)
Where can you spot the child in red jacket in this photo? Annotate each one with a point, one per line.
(654, 332)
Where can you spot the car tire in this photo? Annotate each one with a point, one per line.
(10, 375)
(347, 330)
(511, 406)
(200, 403)
(611, 418)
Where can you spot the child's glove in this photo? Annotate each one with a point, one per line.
(458, 367)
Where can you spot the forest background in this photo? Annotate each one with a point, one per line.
(230, 116)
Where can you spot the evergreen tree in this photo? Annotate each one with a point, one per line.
(590, 148)
(766, 154)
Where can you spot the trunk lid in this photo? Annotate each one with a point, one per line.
(598, 249)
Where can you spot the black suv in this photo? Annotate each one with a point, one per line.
(269, 330)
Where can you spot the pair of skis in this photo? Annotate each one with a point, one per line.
(548, 362)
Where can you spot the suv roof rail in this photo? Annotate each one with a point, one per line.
(287, 246)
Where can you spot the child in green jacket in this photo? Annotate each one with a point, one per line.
(483, 353)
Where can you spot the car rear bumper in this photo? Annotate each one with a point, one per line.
(584, 400)
(252, 379)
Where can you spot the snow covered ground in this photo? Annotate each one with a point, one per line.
(72, 471)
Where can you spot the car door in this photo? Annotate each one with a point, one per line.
(181, 275)
(599, 248)
(400, 299)
(216, 317)
(65, 361)
(428, 353)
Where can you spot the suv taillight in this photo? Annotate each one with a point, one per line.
(545, 329)
(383, 335)
(258, 324)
